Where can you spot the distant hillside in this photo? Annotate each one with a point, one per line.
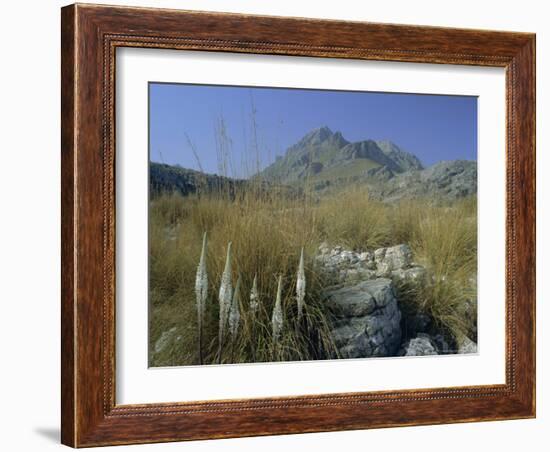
(446, 180)
(324, 156)
(168, 178)
(165, 178)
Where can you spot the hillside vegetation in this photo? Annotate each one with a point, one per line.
(267, 234)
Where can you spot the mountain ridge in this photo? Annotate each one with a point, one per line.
(322, 153)
(329, 163)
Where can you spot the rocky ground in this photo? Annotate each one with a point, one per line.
(447, 180)
(368, 319)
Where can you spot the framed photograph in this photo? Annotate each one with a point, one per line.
(282, 225)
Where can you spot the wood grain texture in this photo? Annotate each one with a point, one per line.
(67, 226)
(90, 36)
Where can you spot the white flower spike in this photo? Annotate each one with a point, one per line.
(301, 285)
(254, 297)
(225, 294)
(234, 313)
(201, 282)
(277, 316)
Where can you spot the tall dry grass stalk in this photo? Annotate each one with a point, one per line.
(277, 317)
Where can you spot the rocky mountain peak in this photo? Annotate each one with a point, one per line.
(321, 136)
(317, 136)
(404, 160)
(328, 160)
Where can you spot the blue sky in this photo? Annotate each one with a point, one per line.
(432, 127)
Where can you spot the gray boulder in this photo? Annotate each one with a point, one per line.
(425, 344)
(392, 259)
(344, 265)
(409, 275)
(421, 345)
(366, 319)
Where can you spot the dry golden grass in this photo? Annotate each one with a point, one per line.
(267, 232)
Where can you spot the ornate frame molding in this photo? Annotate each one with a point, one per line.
(90, 36)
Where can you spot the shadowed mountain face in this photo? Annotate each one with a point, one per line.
(165, 178)
(324, 155)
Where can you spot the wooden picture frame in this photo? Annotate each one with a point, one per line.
(90, 36)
